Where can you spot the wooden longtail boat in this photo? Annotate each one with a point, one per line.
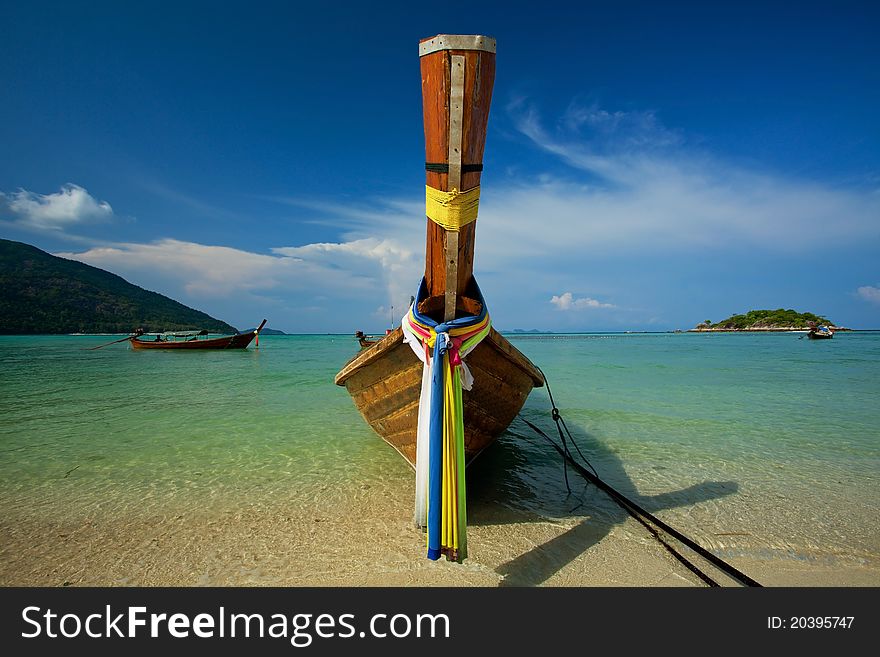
(364, 340)
(192, 340)
(385, 379)
(820, 333)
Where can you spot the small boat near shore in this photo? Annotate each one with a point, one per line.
(193, 340)
(820, 333)
(365, 340)
(443, 385)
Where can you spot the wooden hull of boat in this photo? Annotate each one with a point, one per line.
(385, 380)
(820, 336)
(239, 341)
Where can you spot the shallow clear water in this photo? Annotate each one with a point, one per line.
(752, 443)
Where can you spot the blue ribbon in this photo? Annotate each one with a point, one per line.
(422, 294)
(435, 449)
(435, 430)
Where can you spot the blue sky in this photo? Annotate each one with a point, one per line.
(648, 165)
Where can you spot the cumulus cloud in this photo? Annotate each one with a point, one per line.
(70, 205)
(199, 269)
(393, 256)
(566, 301)
(313, 278)
(399, 268)
(220, 271)
(377, 259)
(869, 293)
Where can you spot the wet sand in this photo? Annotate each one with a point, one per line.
(368, 541)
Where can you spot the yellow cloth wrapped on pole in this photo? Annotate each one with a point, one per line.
(452, 210)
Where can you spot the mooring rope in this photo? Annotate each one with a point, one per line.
(633, 509)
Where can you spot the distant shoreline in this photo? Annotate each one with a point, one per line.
(509, 334)
(775, 329)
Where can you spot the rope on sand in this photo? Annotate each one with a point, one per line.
(647, 519)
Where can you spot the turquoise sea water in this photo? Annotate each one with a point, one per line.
(754, 444)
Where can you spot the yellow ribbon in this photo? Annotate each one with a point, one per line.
(452, 210)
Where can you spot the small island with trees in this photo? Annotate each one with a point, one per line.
(768, 320)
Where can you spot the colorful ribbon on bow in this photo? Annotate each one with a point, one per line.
(440, 454)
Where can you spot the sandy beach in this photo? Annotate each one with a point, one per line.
(366, 542)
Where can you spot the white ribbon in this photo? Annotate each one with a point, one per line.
(423, 440)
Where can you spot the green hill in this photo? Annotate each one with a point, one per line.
(41, 293)
(756, 320)
(265, 331)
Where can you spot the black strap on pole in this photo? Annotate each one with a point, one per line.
(443, 167)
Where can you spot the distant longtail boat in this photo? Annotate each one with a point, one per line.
(820, 333)
(193, 340)
(445, 384)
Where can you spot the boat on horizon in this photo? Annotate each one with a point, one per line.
(820, 333)
(446, 335)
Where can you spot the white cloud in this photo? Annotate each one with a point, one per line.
(399, 268)
(378, 259)
(339, 278)
(391, 255)
(71, 205)
(218, 271)
(566, 301)
(199, 269)
(869, 293)
(632, 185)
(622, 187)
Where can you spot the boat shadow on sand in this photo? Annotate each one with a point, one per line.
(520, 477)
